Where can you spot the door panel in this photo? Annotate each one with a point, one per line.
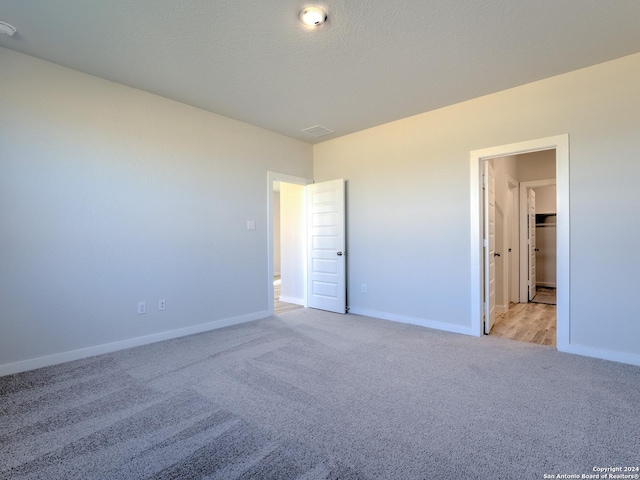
(531, 206)
(326, 283)
(513, 252)
(489, 246)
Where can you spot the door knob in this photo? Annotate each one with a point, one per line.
(496, 254)
(339, 254)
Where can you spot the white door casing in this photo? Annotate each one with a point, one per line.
(489, 246)
(531, 227)
(326, 274)
(476, 159)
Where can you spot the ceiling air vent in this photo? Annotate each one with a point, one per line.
(317, 131)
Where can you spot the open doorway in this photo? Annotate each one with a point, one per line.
(524, 247)
(480, 307)
(289, 249)
(312, 251)
(294, 272)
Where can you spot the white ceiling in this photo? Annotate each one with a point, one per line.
(374, 61)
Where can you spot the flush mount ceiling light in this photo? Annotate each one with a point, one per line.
(313, 16)
(7, 29)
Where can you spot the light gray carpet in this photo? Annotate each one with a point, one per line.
(312, 395)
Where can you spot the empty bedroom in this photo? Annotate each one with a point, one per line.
(161, 319)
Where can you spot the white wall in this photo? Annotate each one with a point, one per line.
(409, 197)
(536, 166)
(293, 238)
(110, 196)
(546, 199)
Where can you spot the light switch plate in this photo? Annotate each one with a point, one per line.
(251, 224)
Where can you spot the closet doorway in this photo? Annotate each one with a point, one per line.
(519, 265)
(525, 247)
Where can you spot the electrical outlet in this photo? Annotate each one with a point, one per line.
(142, 308)
(162, 304)
(363, 288)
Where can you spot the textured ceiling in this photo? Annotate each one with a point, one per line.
(373, 61)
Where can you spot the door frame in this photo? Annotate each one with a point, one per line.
(524, 257)
(561, 145)
(271, 178)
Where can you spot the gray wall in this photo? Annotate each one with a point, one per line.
(409, 197)
(110, 196)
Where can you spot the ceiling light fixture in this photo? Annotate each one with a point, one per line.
(313, 16)
(7, 29)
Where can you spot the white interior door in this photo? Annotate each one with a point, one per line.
(531, 214)
(513, 252)
(326, 271)
(489, 187)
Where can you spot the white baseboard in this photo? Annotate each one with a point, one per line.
(294, 300)
(500, 309)
(63, 357)
(546, 284)
(447, 327)
(611, 355)
(46, 361)
(621, 357)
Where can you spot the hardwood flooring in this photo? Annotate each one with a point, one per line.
(278, 306)
(528, 322)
